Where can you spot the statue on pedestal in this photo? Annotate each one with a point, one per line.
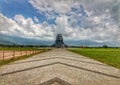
(59, 42)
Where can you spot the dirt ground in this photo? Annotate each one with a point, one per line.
(12, 54)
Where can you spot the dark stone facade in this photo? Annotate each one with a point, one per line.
(59, 42)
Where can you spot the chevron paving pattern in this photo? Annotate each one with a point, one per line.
(59, 67)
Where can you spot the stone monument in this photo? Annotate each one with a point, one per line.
(59, 42)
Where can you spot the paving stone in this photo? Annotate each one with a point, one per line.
(59, 67)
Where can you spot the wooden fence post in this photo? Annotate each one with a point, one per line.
(13, 54)
(30, 52)
(21, 52)
(26, 52)
(3, 55)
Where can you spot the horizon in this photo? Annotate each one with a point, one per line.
(81, 22)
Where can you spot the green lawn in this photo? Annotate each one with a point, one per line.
(110, 56)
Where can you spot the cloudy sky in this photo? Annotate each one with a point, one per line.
(77, 20)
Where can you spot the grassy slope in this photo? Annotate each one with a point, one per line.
(110, 56)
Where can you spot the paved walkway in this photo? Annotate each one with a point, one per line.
(58, 67)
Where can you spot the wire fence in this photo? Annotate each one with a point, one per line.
(5, 55)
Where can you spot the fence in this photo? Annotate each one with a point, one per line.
(5, 55)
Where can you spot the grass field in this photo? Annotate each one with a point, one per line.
(110, 56)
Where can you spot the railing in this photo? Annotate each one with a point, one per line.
(5, 55)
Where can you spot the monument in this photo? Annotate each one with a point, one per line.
(59, 42)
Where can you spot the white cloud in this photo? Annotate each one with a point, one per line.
(94, 20)
(97, 20)
(25, 27)
(22, 27)
(7, 24)
(51, 6)
(97, 7)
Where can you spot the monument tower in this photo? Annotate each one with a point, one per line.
(59, 42)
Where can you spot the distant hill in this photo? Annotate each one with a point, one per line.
(3, 42)
(83, 43)
(11, 40)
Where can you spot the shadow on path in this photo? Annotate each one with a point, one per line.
(58, 58)
(58, 80)
(105, 74)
